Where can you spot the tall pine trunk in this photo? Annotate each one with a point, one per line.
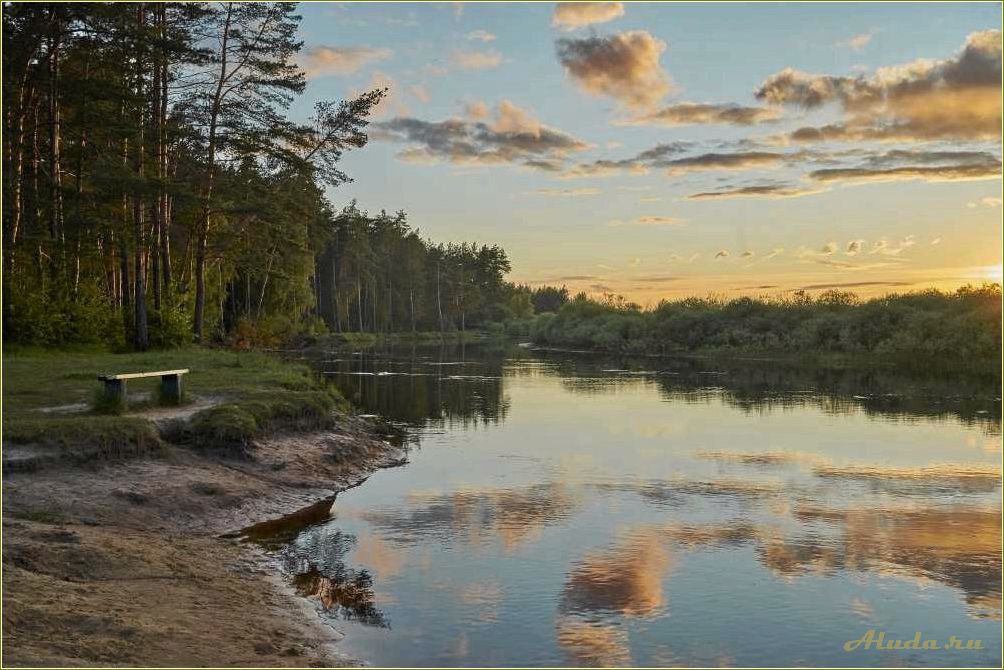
(55, 140)
(203, 226)
(141, 338)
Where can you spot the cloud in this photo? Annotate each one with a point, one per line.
(992, 203)
(856, 42)
(884, 248)
(624, 66)
(747, 254)
(854, 284)
(408, 21)
(568, 192)
(935, 241)
(321, 61)
(735, 161)
(757, 191)
(659, 221)
(963, 172)
(572, 15)
(475, 60)
(657, 156)
(477, 110)
(693, 113)
(956, 98)
(574, 278)
(433, 70)
(658, 278)
(513, 137)
(512, 119)
(391, 103)
(824, 255)
(845, 265)
(724, 253)
(899, 156)
(480, 35)
(420, 92)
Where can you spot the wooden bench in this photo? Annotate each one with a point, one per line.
(170, 384)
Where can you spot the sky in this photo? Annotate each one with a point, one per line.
(661, 150)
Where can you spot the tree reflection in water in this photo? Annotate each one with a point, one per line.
(464, 386)
(313, 558)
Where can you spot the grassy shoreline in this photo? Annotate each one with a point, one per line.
(48, 400)
(358, 339)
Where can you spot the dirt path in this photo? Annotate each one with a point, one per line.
(124, 564)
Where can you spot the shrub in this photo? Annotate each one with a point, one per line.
(169, 327)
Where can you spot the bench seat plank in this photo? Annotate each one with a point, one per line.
(137, 375)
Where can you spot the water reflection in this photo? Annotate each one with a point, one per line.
(592, 511)
(314, 560)
(959, 546)
(593, 645)
(476, 518)
(418, 390)
(762, 387)
(626, 578)
(455, 386)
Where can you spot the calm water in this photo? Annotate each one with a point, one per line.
(563, 509)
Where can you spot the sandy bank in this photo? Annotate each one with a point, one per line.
(124, 564)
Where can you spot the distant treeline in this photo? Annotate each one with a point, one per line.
(376, 274)
(929, 328)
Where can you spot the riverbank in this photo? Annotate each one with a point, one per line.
(112, 525)
(356, 339)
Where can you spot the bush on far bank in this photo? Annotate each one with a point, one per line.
(926, 327)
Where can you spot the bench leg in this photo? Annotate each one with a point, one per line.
(170, 389)
(115, 391)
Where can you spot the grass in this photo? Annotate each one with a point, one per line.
(232, 427)
(260, 393)
(86, 438)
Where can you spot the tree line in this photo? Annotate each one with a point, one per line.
(931, 328)
(156, 191)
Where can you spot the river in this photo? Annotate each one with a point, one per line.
(573, 509)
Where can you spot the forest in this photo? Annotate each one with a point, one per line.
(923, 329)
(155, 191)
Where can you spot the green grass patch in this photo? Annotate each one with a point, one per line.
(86, 438)
(232, 427)
(260, 394)
(34, 379)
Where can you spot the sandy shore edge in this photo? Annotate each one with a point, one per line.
(124, 564)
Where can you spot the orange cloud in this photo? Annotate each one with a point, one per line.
(324, 60)
(572, 15)
(624, 67)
